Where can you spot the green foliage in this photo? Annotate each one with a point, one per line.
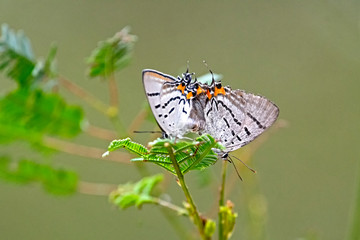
(195, 155)
(135, 194)
(16, 57)
(30, 112)
(18, 62)
(129, 145)
(228, 220)
(29, 115)
(112, 54)
(55, 181)
(210, 227)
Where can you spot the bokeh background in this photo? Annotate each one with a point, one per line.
(303, 55)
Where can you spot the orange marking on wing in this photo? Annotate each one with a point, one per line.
(181, 88)
(156, 75)
(199, 90)
(189, 95)
(208, 94)
(219, 91)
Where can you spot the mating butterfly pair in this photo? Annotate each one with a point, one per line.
(182, 105)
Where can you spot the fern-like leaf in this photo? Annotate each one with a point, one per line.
(194, 155)
(135, 194)
(112, 54)
(129, 145)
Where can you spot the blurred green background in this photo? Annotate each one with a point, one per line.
(303, 55)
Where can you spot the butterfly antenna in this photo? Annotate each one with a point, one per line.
(147, 132)
(245, 164)
(187, 64)
(231, 161)
(212, 74)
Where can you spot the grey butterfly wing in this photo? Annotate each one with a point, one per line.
(179, 116)
(153, 82)
(222, 119)
(237, 118)
(260, 113)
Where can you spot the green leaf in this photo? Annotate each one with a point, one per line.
(135, 194)
(129, 145)
(55, 181)
(18, 62)
(29, 115)
(112, 54)
(195, 155)
(46, 69)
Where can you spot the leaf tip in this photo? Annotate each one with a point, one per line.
(105, 154)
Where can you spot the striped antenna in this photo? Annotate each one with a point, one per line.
(212, 74)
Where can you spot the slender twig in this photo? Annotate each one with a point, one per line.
(194, 212)
(221, 199)
(113, 91)
(83, 94)
(139, 119)
(98, 189)
(100, 133)
(84, 151)
(169, 205)
(113, 111)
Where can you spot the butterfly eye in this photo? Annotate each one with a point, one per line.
(218, 85)
(183, 84)
(196, 86)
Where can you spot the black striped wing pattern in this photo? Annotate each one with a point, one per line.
(171, 108)
(236, 118)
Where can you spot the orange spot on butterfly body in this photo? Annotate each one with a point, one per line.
(208, 94)
(189, 95)
(199, 90)
(181, 87)
(220, 90)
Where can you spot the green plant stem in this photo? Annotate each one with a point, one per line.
(354, 233)
(222, 199)
(194, 212)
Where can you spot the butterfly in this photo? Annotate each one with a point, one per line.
(172, 103)
(181, 105)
